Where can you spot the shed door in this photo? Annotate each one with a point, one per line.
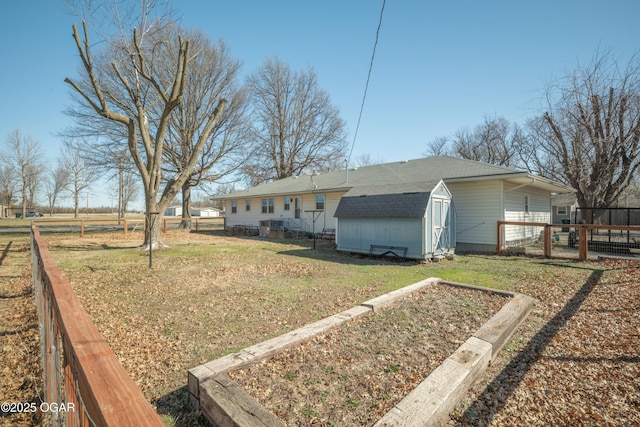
(440, 225)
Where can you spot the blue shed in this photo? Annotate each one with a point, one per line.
(417, 216)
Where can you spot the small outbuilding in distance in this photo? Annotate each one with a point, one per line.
(412, 220)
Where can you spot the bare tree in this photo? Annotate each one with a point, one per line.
(295, 127)
(140, 90)
(212, 75)
(438, 147)
(55, 185)
(8, 182)
(127, 189)
(590, 134)
(80, 176)
(496, 141)
(25, 153)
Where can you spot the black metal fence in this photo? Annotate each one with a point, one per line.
(607, 216)
(581, 241)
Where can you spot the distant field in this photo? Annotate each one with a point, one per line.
(99, 222)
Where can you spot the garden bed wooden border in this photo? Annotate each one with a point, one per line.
(225, 403)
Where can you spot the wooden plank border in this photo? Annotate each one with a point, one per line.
(225, 403)
(108, 395)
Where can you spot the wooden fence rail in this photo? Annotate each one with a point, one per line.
(582, 239)
(126, 223)
(83, 222)
(82, 375)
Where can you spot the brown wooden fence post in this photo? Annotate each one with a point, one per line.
(547, 241)
(583, 244)
(82, 228)
(499, 245)
(126, 228)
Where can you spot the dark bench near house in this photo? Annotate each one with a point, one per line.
(399, 252)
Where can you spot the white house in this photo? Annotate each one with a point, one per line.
(564, 207)
(201, 212)
(173, 211)
(483, 194)
(205, 212)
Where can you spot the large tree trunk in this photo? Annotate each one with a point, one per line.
(120, 190)
(153, 223)
(76, 204)
(186, 206)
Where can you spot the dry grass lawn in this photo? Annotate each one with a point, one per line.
(574, 362)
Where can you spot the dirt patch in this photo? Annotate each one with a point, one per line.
(354, 374)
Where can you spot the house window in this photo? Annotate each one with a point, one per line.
(561, 210)
(248, 205)
(287, 203)
(267, 205)
(320, 202)
(526, 204)
(234, 206)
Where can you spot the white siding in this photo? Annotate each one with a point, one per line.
(305, 223)
(478, 208)
(539, 211)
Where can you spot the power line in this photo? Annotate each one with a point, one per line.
(366, 87)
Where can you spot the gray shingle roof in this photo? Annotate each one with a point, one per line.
(407, 200)
(412, 171)
(398, 205)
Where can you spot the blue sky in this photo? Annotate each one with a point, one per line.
(440, 65)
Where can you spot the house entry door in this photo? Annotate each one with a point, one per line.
(296, 206)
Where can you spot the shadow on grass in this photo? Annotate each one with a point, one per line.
(348, 258)
(17, 331)
(25, 293)
(176, 407)
(5, 252)
(495, 395)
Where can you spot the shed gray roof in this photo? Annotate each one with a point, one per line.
(449, 169)
(386, 201)
(398, 205)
